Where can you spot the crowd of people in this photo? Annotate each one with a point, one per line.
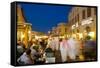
(54, 50)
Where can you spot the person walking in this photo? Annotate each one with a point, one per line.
(57, 50)
(25, 58)
(73, 50)
(63, 49)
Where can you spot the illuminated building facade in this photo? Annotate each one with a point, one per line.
(23, 29)
(60, 29)
(82, 22)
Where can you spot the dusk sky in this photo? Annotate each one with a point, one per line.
(43, 17)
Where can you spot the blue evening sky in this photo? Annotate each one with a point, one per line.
(43, 17)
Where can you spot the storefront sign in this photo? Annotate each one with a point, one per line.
(87, 21)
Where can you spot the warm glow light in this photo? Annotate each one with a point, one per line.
(91, 34)
(22, 36)
(45, 36)
(74, 35)
(36, 37)
(61, 37)
(80, 35)
(24, 25)
(29, 32)
(73, 26)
